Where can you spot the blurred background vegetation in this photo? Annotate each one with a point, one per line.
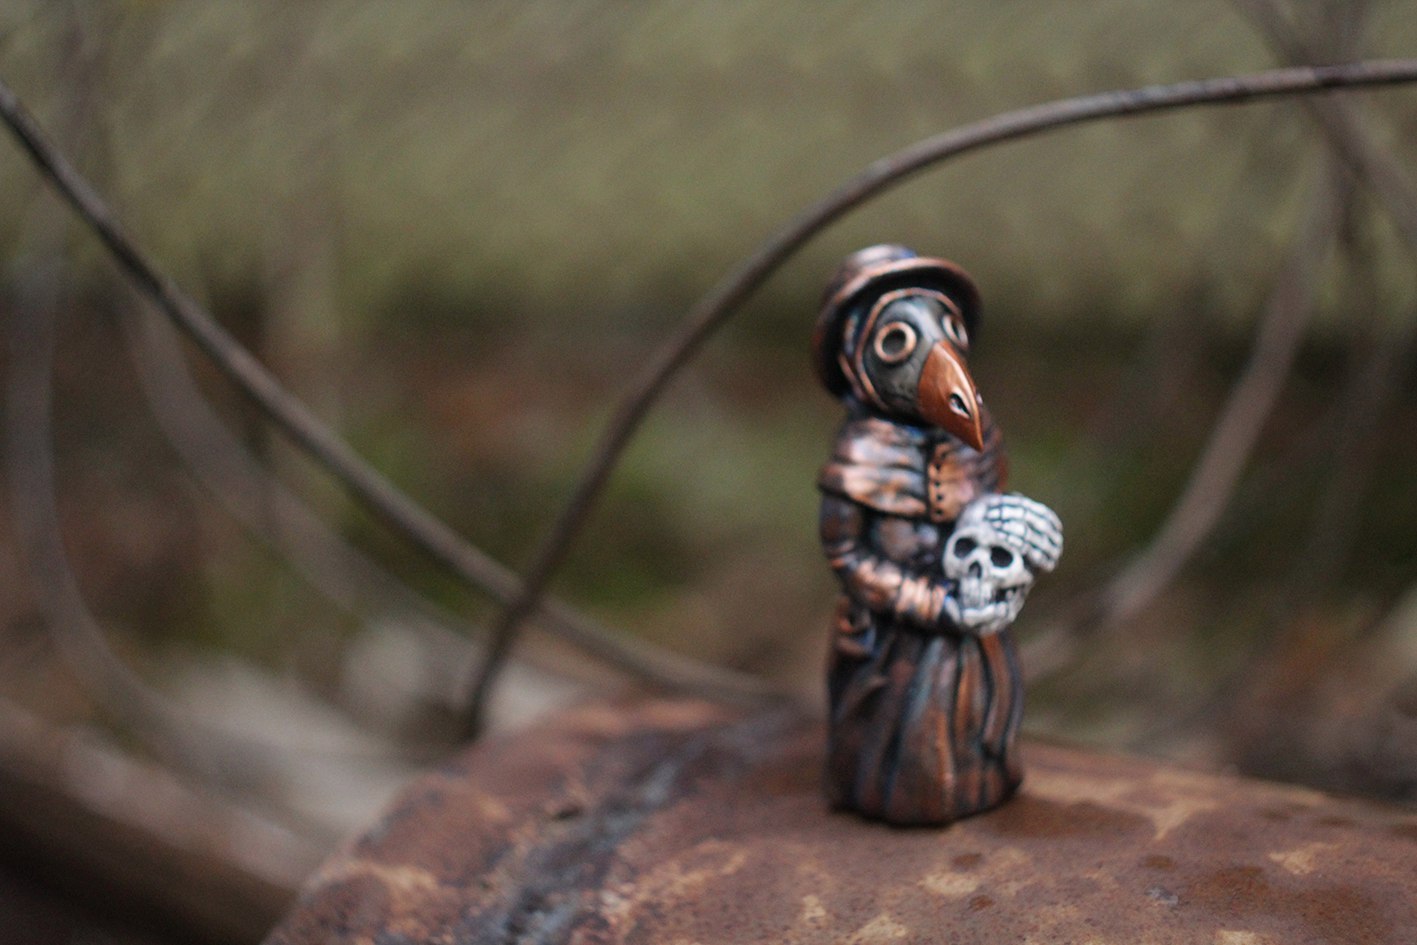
(457, 229)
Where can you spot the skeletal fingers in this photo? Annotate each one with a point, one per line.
(1027, 527)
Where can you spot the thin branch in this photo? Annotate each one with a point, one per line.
(267, 508)
(1376, 382)
(1216, 474)
(1351, 431)
(1214, 479)
(256, 499)
(211, 751)
(730, 293)
(78, 638)
(1341, 125)
(269, 511)
(432, 535)
(249, 376)
(397, 510)
(1355, 441)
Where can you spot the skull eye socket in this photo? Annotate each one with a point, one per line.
(895, 342)
(964, 547)
(1001, 557)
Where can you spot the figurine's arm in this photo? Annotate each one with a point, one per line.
(882, 585)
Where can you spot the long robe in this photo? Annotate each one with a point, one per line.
(923, 714)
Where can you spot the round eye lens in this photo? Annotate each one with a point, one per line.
(895, 342)
(955, 331)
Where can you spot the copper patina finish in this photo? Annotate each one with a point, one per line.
(924, 710)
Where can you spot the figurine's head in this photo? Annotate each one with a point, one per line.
(895, 330)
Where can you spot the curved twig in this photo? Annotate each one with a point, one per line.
(1216, 474)
(1351, 432)
(1341, 125)
(436, 538)
(76, 634)
(340, 572)
(427, 532)
(256, 499)
(725, 298)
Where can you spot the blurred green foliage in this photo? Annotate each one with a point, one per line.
(480, 162)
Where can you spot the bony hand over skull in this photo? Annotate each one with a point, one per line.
(999, 544)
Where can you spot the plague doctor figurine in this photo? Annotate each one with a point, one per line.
(934, 558)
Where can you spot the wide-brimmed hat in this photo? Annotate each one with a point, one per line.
(866, 275)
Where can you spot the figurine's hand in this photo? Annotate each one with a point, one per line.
(1030, 528)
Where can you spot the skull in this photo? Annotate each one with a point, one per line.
(997, 545)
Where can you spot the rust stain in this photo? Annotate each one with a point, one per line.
(680, 822)
(1156, 861)
(1321, 912)
(1303, 860)
(1405, 832)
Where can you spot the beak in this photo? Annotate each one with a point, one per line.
(947, 395)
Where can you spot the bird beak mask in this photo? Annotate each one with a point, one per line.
(907, 358)
(947, 396)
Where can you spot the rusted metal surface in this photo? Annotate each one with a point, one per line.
(679, 822)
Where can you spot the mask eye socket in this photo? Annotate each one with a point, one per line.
(895, 342)
(956, 332)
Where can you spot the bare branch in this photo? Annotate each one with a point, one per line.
(398, 511)
(211, 751)
(76, 636)
(1216, 474)
(1376, 380)
(1208, 492)
(79, 639)
(1351, 432)
(260, 502)
(729, 294)
(249, 376)
(432, 535)
(1342, 127)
